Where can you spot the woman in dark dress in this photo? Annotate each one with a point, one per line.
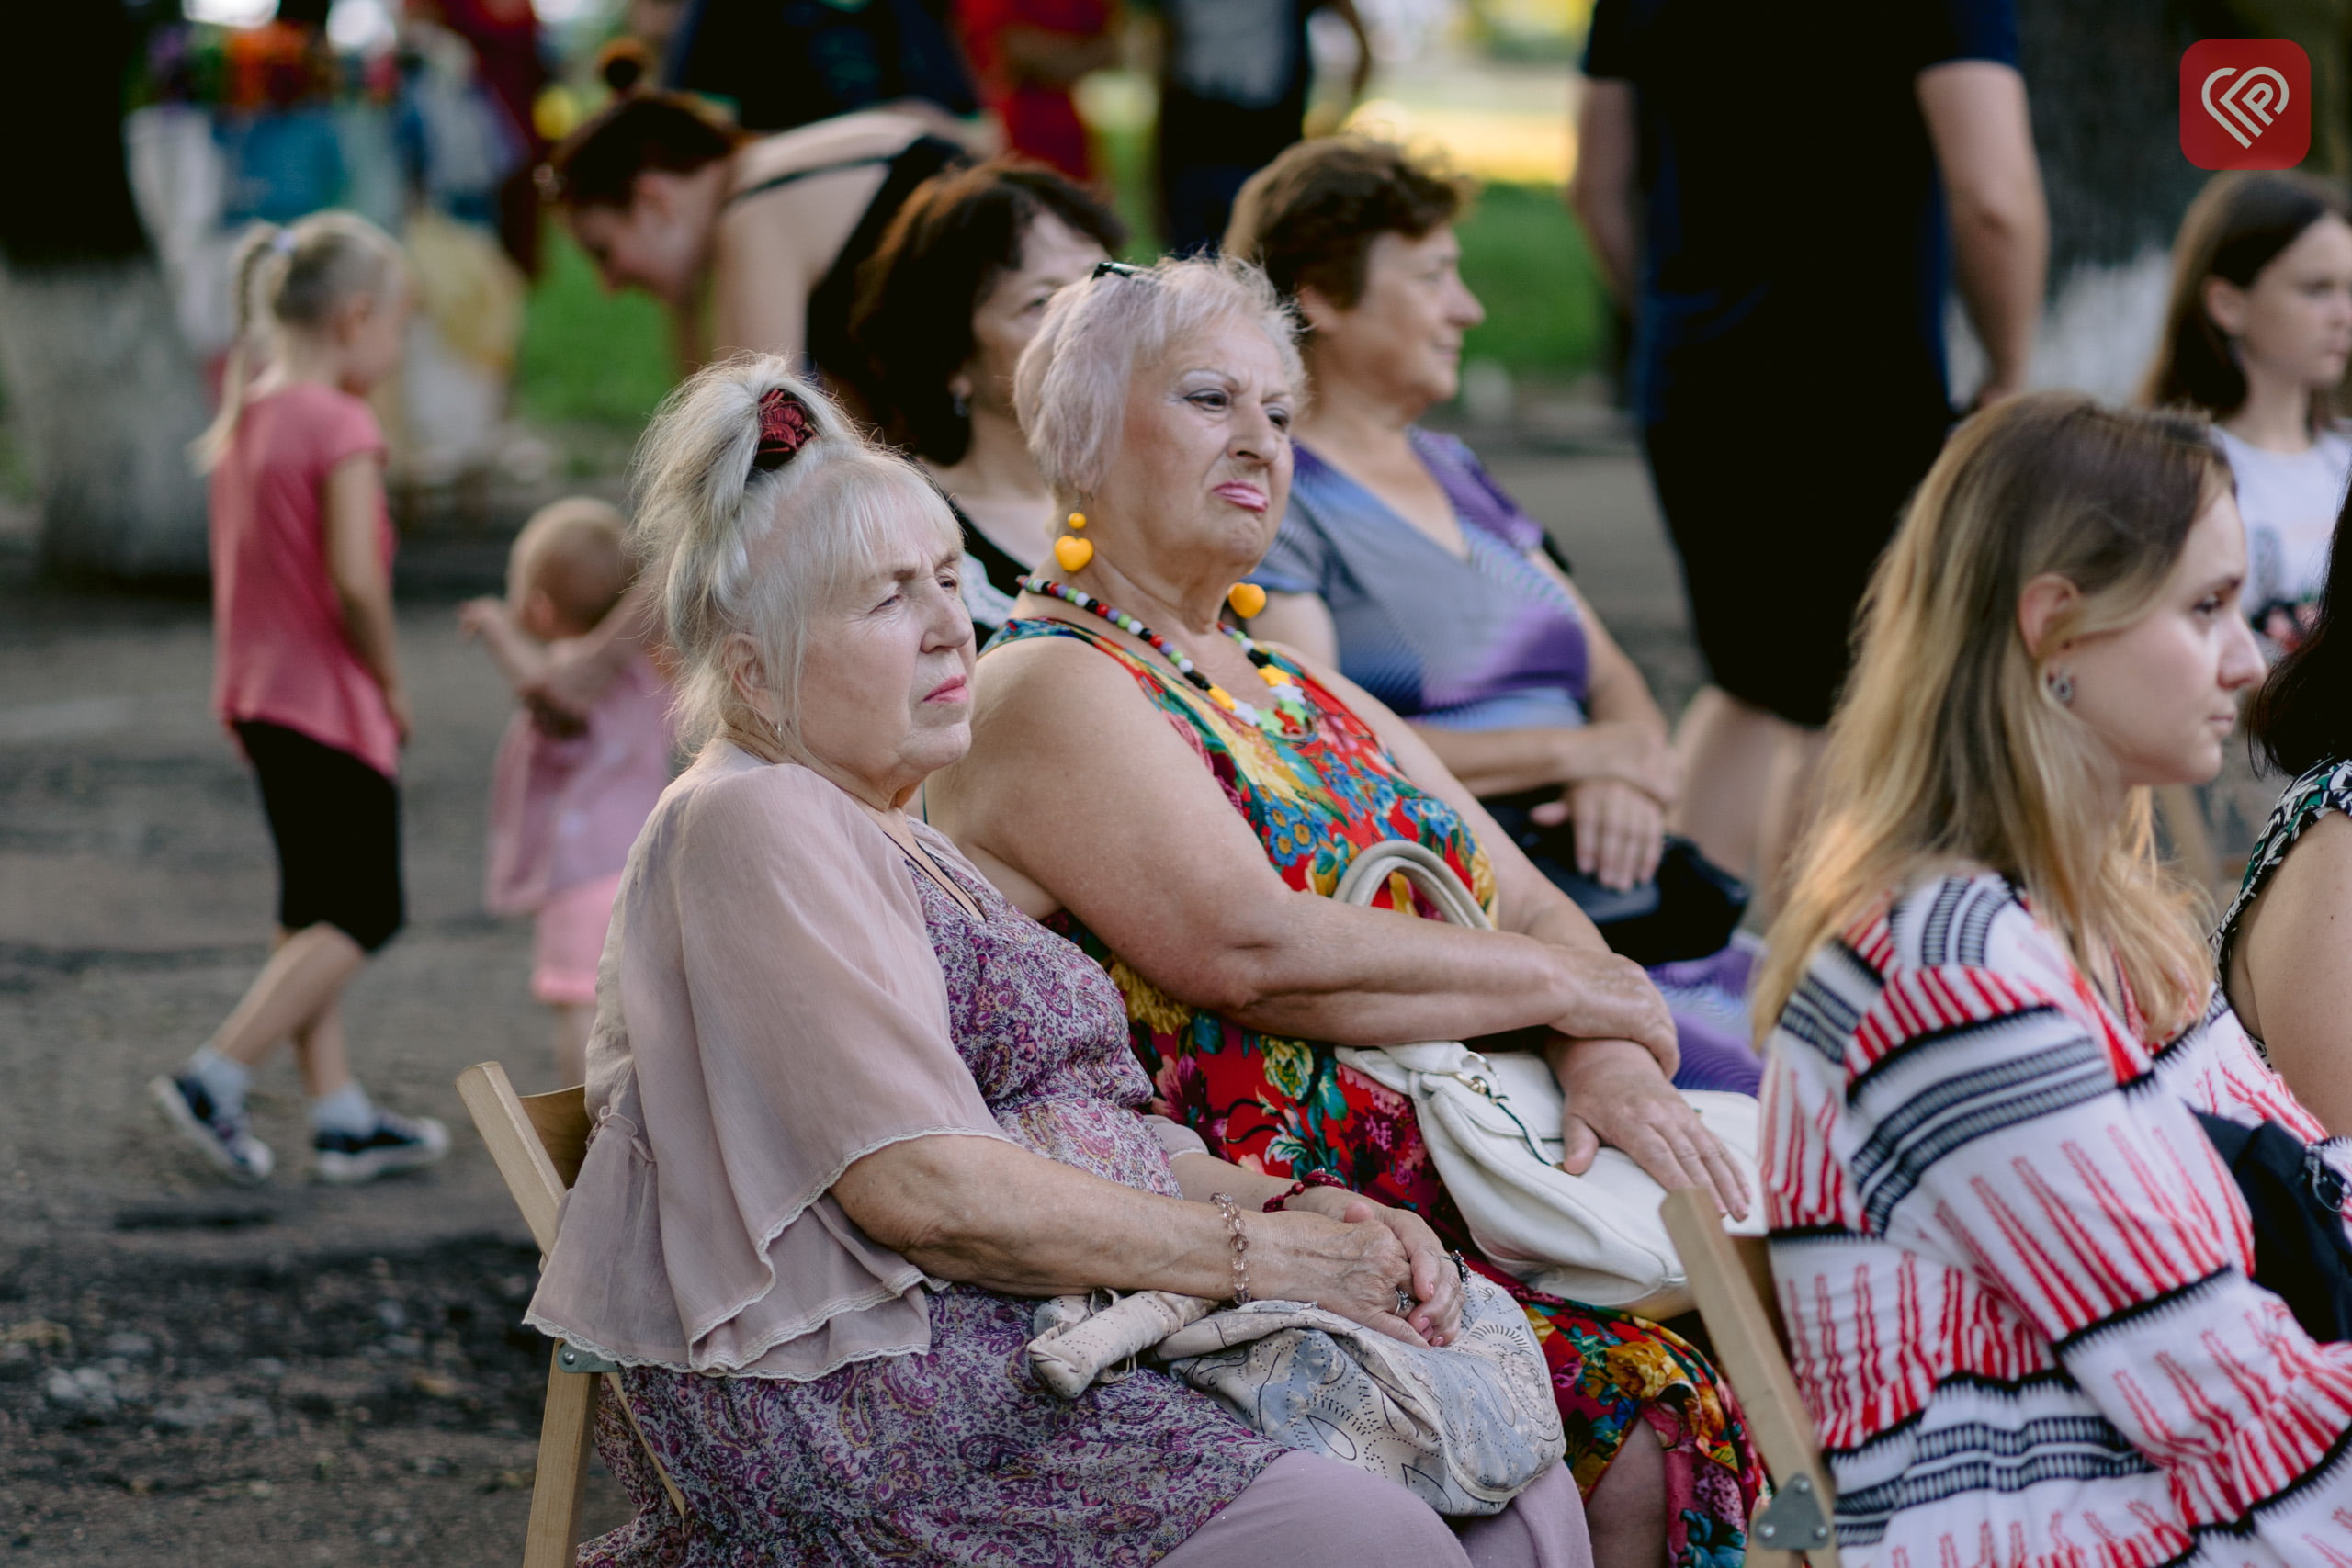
(952, 296)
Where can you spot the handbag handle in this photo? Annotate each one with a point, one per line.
(1423, 869)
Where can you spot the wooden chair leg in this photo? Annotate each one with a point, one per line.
(564, 1437)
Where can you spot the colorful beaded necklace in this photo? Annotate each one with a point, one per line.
(1291, 717)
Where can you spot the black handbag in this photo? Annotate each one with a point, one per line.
(2301, 1253)
(1688, 910)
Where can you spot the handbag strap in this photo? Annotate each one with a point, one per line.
(1423, 869)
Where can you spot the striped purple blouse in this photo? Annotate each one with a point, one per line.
(1483, 642)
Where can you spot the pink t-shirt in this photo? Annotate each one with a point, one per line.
(281, 654)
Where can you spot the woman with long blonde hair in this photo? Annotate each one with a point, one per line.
(2016, 1271)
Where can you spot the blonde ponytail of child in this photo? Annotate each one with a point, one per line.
(291, 279)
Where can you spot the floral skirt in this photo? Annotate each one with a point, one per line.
(956, 1456)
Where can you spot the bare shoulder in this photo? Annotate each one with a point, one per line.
(1045, 678)
(870, 135)
(2313, 883)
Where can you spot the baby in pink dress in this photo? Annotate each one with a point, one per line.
(565, 809)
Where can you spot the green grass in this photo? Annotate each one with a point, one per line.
(589, 358)
(1524, 256)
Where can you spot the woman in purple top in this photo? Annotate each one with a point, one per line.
(1401, 560)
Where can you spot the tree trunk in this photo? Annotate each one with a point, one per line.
(99, 382)
(106, 400)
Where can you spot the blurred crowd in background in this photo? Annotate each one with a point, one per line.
(429, 118)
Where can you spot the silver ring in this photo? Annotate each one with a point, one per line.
(1404, 1302)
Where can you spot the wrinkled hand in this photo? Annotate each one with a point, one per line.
(1353, 1268)
(1615, 1001)
(1617, 1096)
(1620, 831)
(1436, 1282)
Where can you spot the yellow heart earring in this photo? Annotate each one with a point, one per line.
(1073, 553)
(1247, 599)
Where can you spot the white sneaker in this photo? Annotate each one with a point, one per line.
(395, 1143)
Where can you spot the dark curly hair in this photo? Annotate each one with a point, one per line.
(1309, 217)
(943, 252)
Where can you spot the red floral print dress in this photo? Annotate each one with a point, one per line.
(1286, 1107)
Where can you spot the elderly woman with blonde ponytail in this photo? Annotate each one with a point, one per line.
(2017, 1272)
(855, 1112)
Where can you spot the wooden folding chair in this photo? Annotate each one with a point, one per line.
(538, 1144)
(1730, 1279)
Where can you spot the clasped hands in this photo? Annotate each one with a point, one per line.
(1347, 1254)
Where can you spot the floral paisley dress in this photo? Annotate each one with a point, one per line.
(957, 1455)
(1287, 1107)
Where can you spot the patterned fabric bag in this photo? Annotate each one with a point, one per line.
(1466, 1427)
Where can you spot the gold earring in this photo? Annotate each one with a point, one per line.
(1077, 520)
(1247, 599)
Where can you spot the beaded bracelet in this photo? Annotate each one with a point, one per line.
(1232, 1213)
(1275, 1204)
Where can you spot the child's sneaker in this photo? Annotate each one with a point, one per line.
(225, 1136)
(395, 1143)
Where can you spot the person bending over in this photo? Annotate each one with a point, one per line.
(2014, 1270)
(753, 242)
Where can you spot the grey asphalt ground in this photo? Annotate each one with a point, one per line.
(195, 1375)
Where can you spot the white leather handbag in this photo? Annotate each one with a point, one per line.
(1492, 1126)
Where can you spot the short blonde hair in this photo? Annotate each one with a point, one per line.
(834, 510)
(574, 551)
(1070, 388)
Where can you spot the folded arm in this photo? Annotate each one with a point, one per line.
(1078, 794)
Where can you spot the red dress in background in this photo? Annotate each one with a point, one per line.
(1040, 119)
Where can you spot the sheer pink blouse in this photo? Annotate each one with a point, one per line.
(769, 1010)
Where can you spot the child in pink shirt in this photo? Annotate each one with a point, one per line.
(307, 677)
(564, 808)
